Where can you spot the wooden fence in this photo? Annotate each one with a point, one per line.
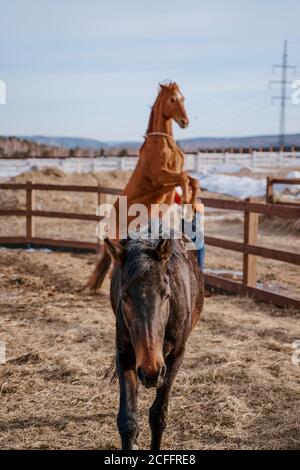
(248, 248)
(270, 196)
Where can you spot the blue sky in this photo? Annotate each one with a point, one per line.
(90, 68)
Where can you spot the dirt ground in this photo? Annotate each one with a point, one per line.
(237, 389)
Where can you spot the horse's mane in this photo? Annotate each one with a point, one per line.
(151, 118)
(138, 260)
(156, 104)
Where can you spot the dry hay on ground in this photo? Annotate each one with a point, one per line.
(237, 389)
(62, 201)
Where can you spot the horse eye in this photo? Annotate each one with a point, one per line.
(173, 100)
(125, 297)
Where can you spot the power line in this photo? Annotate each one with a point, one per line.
(239, 116)
(283, 96)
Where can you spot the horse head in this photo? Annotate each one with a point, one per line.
(173, 104)
(144, 294)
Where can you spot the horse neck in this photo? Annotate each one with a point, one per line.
(157, 121)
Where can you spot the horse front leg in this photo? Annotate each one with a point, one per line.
(195, 185)
(127, 416)
(159, 410)
(171, 179)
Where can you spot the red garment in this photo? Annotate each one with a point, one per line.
(199, 206)
(177, 198)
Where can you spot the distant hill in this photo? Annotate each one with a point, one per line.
(68, 142)
(16, 147)
(42, 146)
(192, 144)
(238, 142)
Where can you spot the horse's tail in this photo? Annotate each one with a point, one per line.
(100, 271)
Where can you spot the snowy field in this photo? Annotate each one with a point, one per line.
(244, 186)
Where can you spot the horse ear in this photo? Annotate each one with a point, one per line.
(162, 86)
(163, 250)
(115, 249)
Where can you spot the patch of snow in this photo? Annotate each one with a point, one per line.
(229, 168)
(292, 189)
(229, 217)
(219, 272)
(236, 186)
(293, 174)
(40, 250)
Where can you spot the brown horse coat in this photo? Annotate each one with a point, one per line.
(159, 168)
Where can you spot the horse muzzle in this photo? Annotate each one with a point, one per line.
(183, 123)
(152, 379)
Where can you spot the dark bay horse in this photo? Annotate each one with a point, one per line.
(157, 297)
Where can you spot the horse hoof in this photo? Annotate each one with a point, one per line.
(135, 447)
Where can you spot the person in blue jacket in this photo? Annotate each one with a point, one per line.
(197, 228)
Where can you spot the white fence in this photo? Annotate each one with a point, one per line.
(249, 160)
(11, 167)
(194, 163)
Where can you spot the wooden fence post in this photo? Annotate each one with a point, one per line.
(250, 238)
(269, 191)
(30, 206)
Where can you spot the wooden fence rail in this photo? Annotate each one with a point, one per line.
(270, 196)
(248, 248)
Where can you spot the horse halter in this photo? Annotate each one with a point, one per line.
(159, 133)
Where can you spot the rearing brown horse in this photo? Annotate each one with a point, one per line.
(159, 168)
(157, 297)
